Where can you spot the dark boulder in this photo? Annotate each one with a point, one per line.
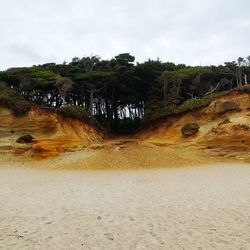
(25, 139)
(227, 106)
(190, 129)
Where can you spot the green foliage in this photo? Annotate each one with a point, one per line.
(93, 76)
(42, 79)
(29, 78)
(163, 110)
(118, 92)
(16, 103)
(3, 85)
(74, 112)
(192, 104)
(187, 72)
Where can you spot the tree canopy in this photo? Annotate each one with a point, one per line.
(120, 93)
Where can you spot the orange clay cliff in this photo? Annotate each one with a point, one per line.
(219, 132)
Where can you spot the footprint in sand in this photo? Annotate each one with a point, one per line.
(109, 236)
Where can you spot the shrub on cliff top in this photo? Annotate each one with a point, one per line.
(162, 110)
(74, 112)
(13, 101)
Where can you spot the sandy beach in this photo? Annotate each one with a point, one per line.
(206, 207)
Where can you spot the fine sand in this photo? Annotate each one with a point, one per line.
(205, 207)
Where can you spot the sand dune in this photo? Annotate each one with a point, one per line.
(204, 207)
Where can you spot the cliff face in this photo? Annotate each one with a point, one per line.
(52, 133)
(218, 132)
(224, 127)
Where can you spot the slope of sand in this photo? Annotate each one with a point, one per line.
(205, 207)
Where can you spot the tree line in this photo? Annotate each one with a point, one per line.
(120, 93)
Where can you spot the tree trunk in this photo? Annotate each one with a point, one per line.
(107, 108)
(245, 79)
(237, 80)
(178, 87)
(240, 77)
(165, 89)
(116, 117)
(91, 101)
(63, 100)
(112, 106)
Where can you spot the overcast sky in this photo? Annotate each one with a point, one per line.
(195, 32)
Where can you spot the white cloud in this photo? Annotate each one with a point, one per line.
(184, 31)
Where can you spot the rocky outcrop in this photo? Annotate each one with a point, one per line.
(222, 106)
(43, 133)
(241, 127)
(25, 139)
(190, 129)
(227, 106)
